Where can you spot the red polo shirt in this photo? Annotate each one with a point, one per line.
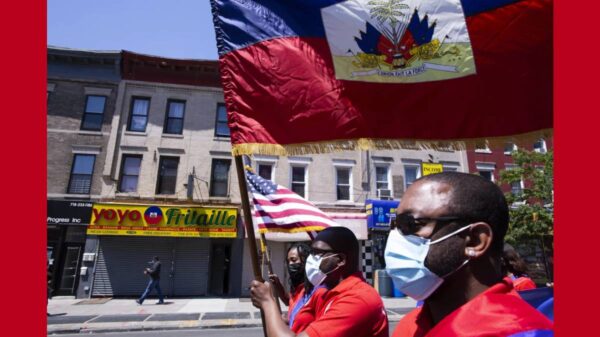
(523, 283)
(497, 312)
(307, 313)
(351, 309)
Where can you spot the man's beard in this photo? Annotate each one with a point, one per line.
(446, 257)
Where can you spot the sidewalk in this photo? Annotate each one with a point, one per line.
(69, 315)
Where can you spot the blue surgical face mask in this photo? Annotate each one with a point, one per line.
(405, 263)
(313, 269)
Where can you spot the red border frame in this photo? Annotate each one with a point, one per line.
(576, 230)
(576, 76)
(24, 169)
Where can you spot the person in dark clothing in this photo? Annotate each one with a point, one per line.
(154, 272)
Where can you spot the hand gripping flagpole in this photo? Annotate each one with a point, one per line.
(267, 255)
(239, 165)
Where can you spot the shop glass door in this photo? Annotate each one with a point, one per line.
(69, 271)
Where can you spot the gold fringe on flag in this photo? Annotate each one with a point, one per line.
(388, 144)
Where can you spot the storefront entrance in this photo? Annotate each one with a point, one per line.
(219, 269)
(184, 271)
(64, 250)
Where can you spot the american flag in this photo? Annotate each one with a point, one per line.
(277, 209)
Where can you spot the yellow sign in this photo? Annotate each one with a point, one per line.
(174, 221)
(430, 168)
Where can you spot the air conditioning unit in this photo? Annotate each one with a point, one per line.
(89, 257)
(384, 193)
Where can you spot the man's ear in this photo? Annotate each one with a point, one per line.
(479, 240)
(342, 259)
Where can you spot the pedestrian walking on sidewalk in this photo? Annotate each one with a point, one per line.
(154, 283)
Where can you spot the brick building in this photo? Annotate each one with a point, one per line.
(82, 90)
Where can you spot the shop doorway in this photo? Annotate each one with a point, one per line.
(69, 267)
(219, 269)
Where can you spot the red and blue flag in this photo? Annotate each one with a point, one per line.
(305, 76)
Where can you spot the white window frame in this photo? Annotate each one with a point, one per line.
(348, 165)
(485, 149)
(411, 164)
(299, 162)
(544, 149)
(450, 166)
(514, 148)
(509, 167)
(388, 178)
(486, 167)
(266, 160)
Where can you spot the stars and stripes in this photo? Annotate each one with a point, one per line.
(277, 209)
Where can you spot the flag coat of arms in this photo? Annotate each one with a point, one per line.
(277, 209)
(306, 76)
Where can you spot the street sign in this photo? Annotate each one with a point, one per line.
(431, 168)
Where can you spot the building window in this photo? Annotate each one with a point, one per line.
(489, 175)
(94, 113)
(130, 173)
(174, 117)
(516, 187)
(221, 128)
(167, 175)
(265, 170)
(342, 183)
(482, 148)
(299, 180)
(411, 173)
(509, 148)
(540, 146)
(382, 180)
(219, 178)
(138, 116)
(486, 170)
(82, 170)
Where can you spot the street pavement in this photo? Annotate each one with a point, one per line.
(69, 316)
(226, 332)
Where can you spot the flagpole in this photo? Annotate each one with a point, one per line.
(239, 165)
(270, 267)
(248, 218)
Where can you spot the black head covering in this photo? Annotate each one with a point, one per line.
(342, 240)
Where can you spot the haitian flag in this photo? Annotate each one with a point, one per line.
(306, 76)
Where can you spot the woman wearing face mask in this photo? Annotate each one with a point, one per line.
(303, 296)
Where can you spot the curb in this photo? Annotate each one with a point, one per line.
(61, 329)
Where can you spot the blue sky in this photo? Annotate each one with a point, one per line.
(170, 28)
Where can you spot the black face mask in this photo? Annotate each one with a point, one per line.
(296, 271)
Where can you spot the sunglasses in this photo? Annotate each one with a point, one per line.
(320, 252)
(408, 224)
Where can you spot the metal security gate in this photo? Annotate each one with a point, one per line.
(121, 262)
(190, 267)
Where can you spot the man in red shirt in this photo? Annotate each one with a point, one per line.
(446, 249)
(350, 308)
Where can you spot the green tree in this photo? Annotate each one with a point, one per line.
(531, 212)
